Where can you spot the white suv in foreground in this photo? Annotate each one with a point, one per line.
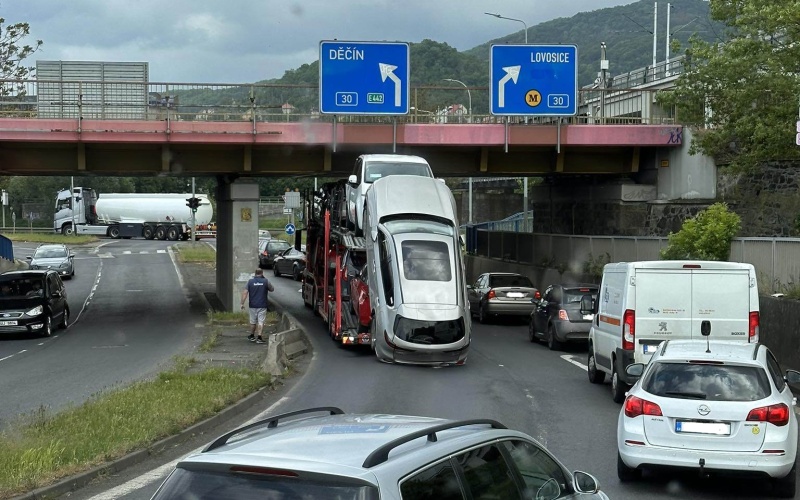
(715, 407)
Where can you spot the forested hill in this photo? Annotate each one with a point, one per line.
(627, 31)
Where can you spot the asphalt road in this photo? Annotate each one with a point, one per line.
(130, 316)
(523, 385)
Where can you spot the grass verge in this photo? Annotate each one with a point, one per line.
(240, 317)
(52, 238)
(49, 447)
(195, 252)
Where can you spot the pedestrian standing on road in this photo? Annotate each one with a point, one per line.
(257, 288)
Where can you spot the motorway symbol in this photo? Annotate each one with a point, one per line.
(539, 80)
(364, 78)
(290, 229)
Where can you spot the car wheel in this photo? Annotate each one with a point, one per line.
(296, 273)
(275, 270)
(483, 316)
(618, 388)
(626, 474)
(784, 487)
(48, 326)
(64, 319)
(552, 340)
(595, 375)
(531, 331)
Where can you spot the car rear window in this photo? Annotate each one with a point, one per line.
(574, 295)
(208, 485)
(429, 332)
(426, 260)
(503, 281)
(376, 170)
(711, 382)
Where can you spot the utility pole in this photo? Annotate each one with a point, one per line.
(603, 68)
(666, 58)
(655, 38)
(72, 203)
(194, 217)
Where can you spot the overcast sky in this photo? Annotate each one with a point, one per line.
(241, 41)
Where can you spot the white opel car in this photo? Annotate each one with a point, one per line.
(726, 411)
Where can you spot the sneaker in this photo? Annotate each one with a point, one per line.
(251, 338)
(260, 340)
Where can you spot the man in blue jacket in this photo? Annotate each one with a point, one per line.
(257, 288)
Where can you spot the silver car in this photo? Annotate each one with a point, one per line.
(326, 453)
(53, 256)
(502, 294)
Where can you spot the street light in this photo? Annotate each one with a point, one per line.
(498, 16)
(469, 94)
(417, 110)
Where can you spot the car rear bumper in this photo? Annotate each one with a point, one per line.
(510, 308)
(566, 331)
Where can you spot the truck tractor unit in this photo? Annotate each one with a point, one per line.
(163, 216)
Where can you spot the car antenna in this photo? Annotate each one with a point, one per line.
(705, 330)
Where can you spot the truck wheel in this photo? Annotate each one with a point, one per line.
(173, 234)
(113, 231)
(66, 230)
(148, 232)
(161, 233)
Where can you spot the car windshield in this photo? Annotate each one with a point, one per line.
(711, 382)
(50, 253)
(209, 485)
(278, 245)
(500, 280)
(19, 288)
(376, 170)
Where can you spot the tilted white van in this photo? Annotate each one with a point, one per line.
(641, 304)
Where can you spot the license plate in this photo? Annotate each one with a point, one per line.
(515, 295)
(648, 349)
(716, 428)
(8, 323)
(588, 316)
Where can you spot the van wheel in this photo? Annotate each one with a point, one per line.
(552, 341)
(595, 375)
(48, 326)
(785, 487)
(618, 388)
(627, 474)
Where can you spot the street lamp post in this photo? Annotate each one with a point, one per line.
(498, 16)
(469, 95)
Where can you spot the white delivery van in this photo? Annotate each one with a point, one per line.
(641, 304)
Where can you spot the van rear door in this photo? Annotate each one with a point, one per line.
(663, 308)
(723, 298)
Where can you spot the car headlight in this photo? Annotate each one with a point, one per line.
(64, 265)
(35, 311)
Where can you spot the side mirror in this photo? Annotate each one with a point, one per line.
(587, 304)
(635, 370)
(352, 180)
(584, 482)
(792, 376)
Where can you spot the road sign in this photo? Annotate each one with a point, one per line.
(287, 211)
(291, 199)
(364, 78)
(540, 80)
(290, 229)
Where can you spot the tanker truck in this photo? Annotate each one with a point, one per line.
(163, 216)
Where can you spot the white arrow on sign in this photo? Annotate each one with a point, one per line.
(387, 71)
(512, 73)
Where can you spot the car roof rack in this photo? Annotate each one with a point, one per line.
(271, 422)
(381, 455)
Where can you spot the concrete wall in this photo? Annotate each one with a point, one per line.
(780, 317)
(237, 239)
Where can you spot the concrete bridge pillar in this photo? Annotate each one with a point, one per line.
(237, 239)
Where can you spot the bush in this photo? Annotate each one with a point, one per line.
(593, 267)
(706, 236)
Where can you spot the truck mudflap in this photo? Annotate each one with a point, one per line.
(623, 358)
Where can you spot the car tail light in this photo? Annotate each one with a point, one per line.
(491, 294)
(776, 414)
(637, 406)
(628, 329)
(755, 320)
(537, 295)
(562, 315)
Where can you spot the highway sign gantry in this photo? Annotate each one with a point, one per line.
(536, 80)
(364, 78)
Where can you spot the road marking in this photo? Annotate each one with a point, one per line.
(161, 251)
(180, 276)
(9, 356)
(91, 294)
(568, 359)
(134, 290)
(126, 252)
(97, 248)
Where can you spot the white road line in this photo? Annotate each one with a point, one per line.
(180, 276)
(97, 248)
(91, 294)
(126, 252)
(9, 356)
(161, 251)
(568, 359)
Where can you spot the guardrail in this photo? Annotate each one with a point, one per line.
(215, 102)
(25, 230)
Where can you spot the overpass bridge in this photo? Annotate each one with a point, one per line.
(235, 131)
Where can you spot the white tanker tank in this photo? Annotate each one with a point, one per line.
(127, 215)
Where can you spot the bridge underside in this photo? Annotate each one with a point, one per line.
(204, 159)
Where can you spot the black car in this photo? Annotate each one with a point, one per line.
(558, 317)
(269, 249)
(32, 301)
(290, 261)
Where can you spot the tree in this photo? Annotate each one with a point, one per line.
(742, 93)
(706, 236)
(13, 55)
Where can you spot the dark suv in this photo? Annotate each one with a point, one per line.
(32, 301)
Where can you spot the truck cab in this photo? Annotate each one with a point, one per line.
(82, 200)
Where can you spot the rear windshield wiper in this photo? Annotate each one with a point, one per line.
(692, 395)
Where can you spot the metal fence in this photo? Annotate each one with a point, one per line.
(777, 260)
(215, 102)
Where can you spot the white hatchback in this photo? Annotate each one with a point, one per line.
(712, 406)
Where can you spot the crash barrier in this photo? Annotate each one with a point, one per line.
(285, 344)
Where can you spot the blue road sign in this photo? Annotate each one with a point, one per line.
(539, 80)
(364, 78)
(290, 229)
